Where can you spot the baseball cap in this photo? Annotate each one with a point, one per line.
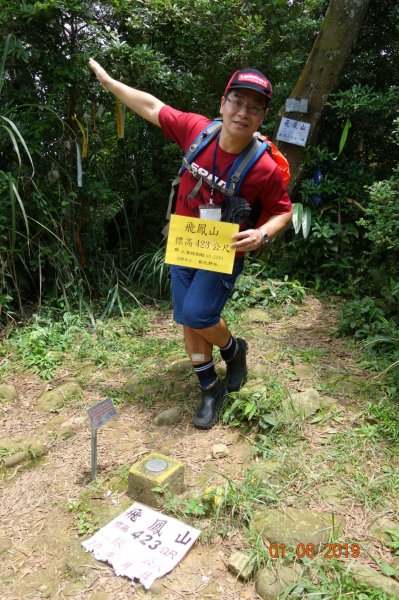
(250, 79)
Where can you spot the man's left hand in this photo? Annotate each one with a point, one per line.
(246, 241)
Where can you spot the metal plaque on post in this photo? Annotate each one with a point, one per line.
(99, 414)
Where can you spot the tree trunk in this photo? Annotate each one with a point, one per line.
(322, 72)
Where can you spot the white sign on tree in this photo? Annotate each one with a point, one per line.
(293, 132)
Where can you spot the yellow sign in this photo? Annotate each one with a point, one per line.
(201, 244)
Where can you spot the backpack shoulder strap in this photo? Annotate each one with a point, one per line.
(200, 142)
(243, 163)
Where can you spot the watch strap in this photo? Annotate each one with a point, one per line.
(265, 237)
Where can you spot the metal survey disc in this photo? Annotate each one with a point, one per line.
(155, 465)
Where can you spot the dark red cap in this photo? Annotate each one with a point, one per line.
(250, 79)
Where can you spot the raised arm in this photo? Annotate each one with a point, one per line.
(145, 105)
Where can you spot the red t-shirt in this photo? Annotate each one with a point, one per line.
(262, 183)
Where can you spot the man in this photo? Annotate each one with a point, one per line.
(199, 296)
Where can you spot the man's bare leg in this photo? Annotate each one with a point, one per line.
(199, 345)
(219, 335)
(201, 341)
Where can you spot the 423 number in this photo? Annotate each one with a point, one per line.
(146, 539)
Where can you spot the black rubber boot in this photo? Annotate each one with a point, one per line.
(208, 411)
(236, 372)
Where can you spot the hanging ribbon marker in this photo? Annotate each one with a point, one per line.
(120, 118)
(85, 143)
(79, 166)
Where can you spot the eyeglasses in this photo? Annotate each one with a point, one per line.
(253, 109)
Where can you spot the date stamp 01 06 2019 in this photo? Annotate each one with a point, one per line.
(310, 550)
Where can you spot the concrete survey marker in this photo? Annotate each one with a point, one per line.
(154, 471)
(156, 465)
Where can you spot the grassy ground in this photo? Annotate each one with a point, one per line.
(343, 458)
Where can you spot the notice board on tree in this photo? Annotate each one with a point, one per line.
(293, 132)
(201, 244)
(142, 543)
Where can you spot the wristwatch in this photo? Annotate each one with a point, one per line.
(265, 237)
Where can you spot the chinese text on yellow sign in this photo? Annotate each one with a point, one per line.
(200, 244)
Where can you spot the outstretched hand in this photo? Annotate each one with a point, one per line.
(99, 72)
(143, 104)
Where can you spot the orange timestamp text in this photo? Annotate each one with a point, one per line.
(312, 550)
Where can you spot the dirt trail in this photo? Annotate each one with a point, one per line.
(42, 557)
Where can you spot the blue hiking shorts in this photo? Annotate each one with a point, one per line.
(199, 296)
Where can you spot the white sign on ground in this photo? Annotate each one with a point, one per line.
(142, 543)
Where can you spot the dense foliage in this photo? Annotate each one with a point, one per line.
(353, 195)
(63, 242)
(80, 239)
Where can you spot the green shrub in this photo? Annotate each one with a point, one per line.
(361, 318)
(381, 219)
